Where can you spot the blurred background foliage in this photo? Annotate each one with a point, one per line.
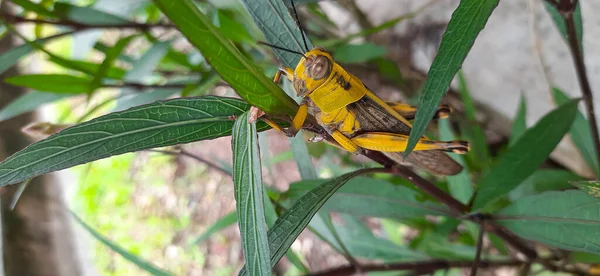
(166, 210)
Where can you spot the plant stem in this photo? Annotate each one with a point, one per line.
(15, 19)
(586, 89)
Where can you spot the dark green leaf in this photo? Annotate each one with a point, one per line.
(568, 220)
(526, 155)
(279, 28)
(584, 257)
(589, 187)
(87, 15)
(222, 223)
(142, 264)
(232, 29)
(158, 124)
(373, 198)
(86, 66)
(28, 102)
(358, 53)
(580, 134)
(520, 123)
(289, 225)
(247, 180)
(459, 185)
(560, 23)
(545, 180)
(54, 83)
(243, 76)
(467, 21)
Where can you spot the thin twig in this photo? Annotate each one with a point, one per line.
(15, 19)
(567, 8)
(479, 249)
(208, 163)
(141, 86)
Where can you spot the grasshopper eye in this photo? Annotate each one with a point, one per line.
(320, 68)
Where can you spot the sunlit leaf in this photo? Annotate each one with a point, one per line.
(589, 187)
(526, 155)
(54, 83)
(568, 220)
(243, 76)
(158, 124)
(87, 15)
(467, 21)
(248, 186)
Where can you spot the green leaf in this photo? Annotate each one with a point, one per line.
(302, 157)
(289, 225)
(568, 220)
(9, 58)
(28, 102)
(222, 223)
(520, 123)
(87, 15)
(243, 76)
(580, 134)
(560, 23)
(142, 264)
(584, 257)
(232, 29)
(526, 155)
(545, 180)
(459, 185)
(247, 179)
(111, 55)
(159, 124)
(372, 198)
(34, 7)
(589, 187)
(358, 53)
(144, 66)
(273, 19)
(86, 66)
(479, 145)
(54, 83)
(467, 21)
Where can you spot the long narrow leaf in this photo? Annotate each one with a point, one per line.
(289, 225)
(459, 185)
(28, 102)
(581, 134)
(279, 28)
(525, 156)
(248, 81)
(560, 22)
(222, 223)
(467, 21)
(520, 123)
(142, 264)
(247, 179)
(154, 125)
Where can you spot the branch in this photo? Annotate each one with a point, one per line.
(141, 86)
(567, 8)
(183, 152)
(419, 267)
(15, 19)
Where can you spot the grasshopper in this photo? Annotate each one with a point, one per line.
(355, 117)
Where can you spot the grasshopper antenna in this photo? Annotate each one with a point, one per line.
(299, 25)
(281, 48)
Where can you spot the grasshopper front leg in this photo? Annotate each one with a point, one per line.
(408, 111)
(392, 142)
(301, 114)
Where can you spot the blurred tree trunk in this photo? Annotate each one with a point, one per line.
(37, 235)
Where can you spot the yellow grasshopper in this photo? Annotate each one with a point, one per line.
(356, 118)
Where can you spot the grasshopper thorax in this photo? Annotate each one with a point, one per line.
(312, 71)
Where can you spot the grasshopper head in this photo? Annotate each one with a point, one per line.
(312, 71)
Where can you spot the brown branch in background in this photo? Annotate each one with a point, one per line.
(15, 19)
(420, 267)
(183, 152)
(567, 8)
